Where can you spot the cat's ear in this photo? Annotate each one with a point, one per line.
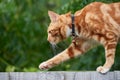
(68, 14)
(53, 16)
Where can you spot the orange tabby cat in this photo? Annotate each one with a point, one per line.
(95, 23)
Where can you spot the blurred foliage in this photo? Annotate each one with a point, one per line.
(23, 36)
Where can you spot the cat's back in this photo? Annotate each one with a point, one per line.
(98, 7)
(104, 10)
(100, 15)
(101, 11)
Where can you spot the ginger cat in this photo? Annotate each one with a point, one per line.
(95, 23)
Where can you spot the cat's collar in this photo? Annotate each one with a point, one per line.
(73, 26)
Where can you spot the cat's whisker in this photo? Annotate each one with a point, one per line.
(54, 48)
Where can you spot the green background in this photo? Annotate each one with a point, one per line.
(23, 36)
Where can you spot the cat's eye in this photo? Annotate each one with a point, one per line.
(54, 33)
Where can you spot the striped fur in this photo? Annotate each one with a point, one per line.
(96, 23)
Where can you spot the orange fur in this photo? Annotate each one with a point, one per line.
(96, 23)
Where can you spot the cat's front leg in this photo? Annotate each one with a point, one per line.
(55, 60)
(78, 46)
(110, 48)
(61, 57)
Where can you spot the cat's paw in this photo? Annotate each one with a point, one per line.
(45, 66)
(101, 69)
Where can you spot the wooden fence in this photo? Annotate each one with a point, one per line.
(60, 75)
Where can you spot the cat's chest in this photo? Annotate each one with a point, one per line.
(87, 41)
(82, 32)
(91, 33)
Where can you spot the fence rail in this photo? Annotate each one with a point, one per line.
(60, 75)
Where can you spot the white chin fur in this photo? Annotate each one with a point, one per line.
(52, 43)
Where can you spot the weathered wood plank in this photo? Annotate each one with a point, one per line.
(59, 75)
(69, 75)
(36, 76)
(4, 76)
(50, 76)
(99, 76)
(117, 75)
(82, 76)
(23, 76)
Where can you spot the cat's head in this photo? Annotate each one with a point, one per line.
(57, 30)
